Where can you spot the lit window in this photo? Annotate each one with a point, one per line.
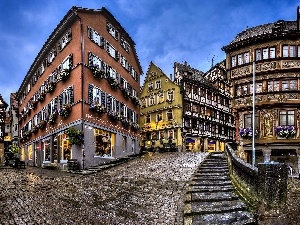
(257, 54)
(233, 61)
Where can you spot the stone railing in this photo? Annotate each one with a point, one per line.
(263, 188)
(244, 177)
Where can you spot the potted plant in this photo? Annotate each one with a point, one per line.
(114, 83)
(285, 131)
(65, 110)
(98, 72)
(34, 129)
(42, 124)
(52, 117)
(135, 126)
(135, 100)
(75, 136)
(64, 74)
(50, 86)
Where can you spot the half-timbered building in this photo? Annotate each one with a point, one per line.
(207, 117)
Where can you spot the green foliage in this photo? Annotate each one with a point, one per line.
(14, 148)
(75, 136)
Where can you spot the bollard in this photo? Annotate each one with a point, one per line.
(272, 191)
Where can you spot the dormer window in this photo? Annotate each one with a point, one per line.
(158, 84)
(150, 86)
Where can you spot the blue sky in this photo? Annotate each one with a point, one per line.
(165, 31)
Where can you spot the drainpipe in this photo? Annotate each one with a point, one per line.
(82, 81)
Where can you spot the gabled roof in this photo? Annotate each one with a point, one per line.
(217, 72)
(70, 17)
(3, 104)
(154, 72)
(187, 71)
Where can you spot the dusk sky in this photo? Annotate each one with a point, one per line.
(165, 31)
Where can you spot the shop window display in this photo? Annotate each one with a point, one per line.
(103, 141)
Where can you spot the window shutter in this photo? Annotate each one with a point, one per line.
(103, 98)
(108, 103)
(90, 93)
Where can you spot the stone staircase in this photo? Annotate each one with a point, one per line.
(210, 198)
(112, 163)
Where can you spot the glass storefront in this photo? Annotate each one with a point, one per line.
(104, 143)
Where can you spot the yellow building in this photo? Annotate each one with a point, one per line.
(161, 112)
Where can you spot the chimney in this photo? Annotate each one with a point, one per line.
(171, 78)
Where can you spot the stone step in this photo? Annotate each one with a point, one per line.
(210, 196)
(212, 171)
(200, 208)
(211, 177)
(212, 165)
(210, 188)
(200, 182)
(232, 218)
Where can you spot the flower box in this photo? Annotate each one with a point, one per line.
(65, 111)
(42, 124)
(63, 75)
(135, 100)
(286, 131)
(114, 115)
(135, 126)
(98, 108)
(97, 72)
(114, 83)
(50, 87)
(247, 133)
(52, 118)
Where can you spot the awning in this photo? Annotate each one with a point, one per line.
(190, 140)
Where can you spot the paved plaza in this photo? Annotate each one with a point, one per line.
(145, 190)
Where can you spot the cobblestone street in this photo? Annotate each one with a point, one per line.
(146, 190)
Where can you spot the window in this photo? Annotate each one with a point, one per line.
(273, 85)
(283, 85)
(151, 100)
(287, 117)
(66, 64)
(248, 120)
(111, 50)
(265, 53)
(158, 84)
(246, 57)
(104, 143)
(112, 31)
(159, 116)
(160, 97)
(148, 119)
(125, 45)
(233, 61)
(124, 143)
(64, 147)
(67, 97)
(240, 59)
(51, 55)
(95, 37)
(170, 95)
(170, 114)
(96, 61)
(150, 86)
(64, 40)
(257, 54)
(124, 63)
(289, 51)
